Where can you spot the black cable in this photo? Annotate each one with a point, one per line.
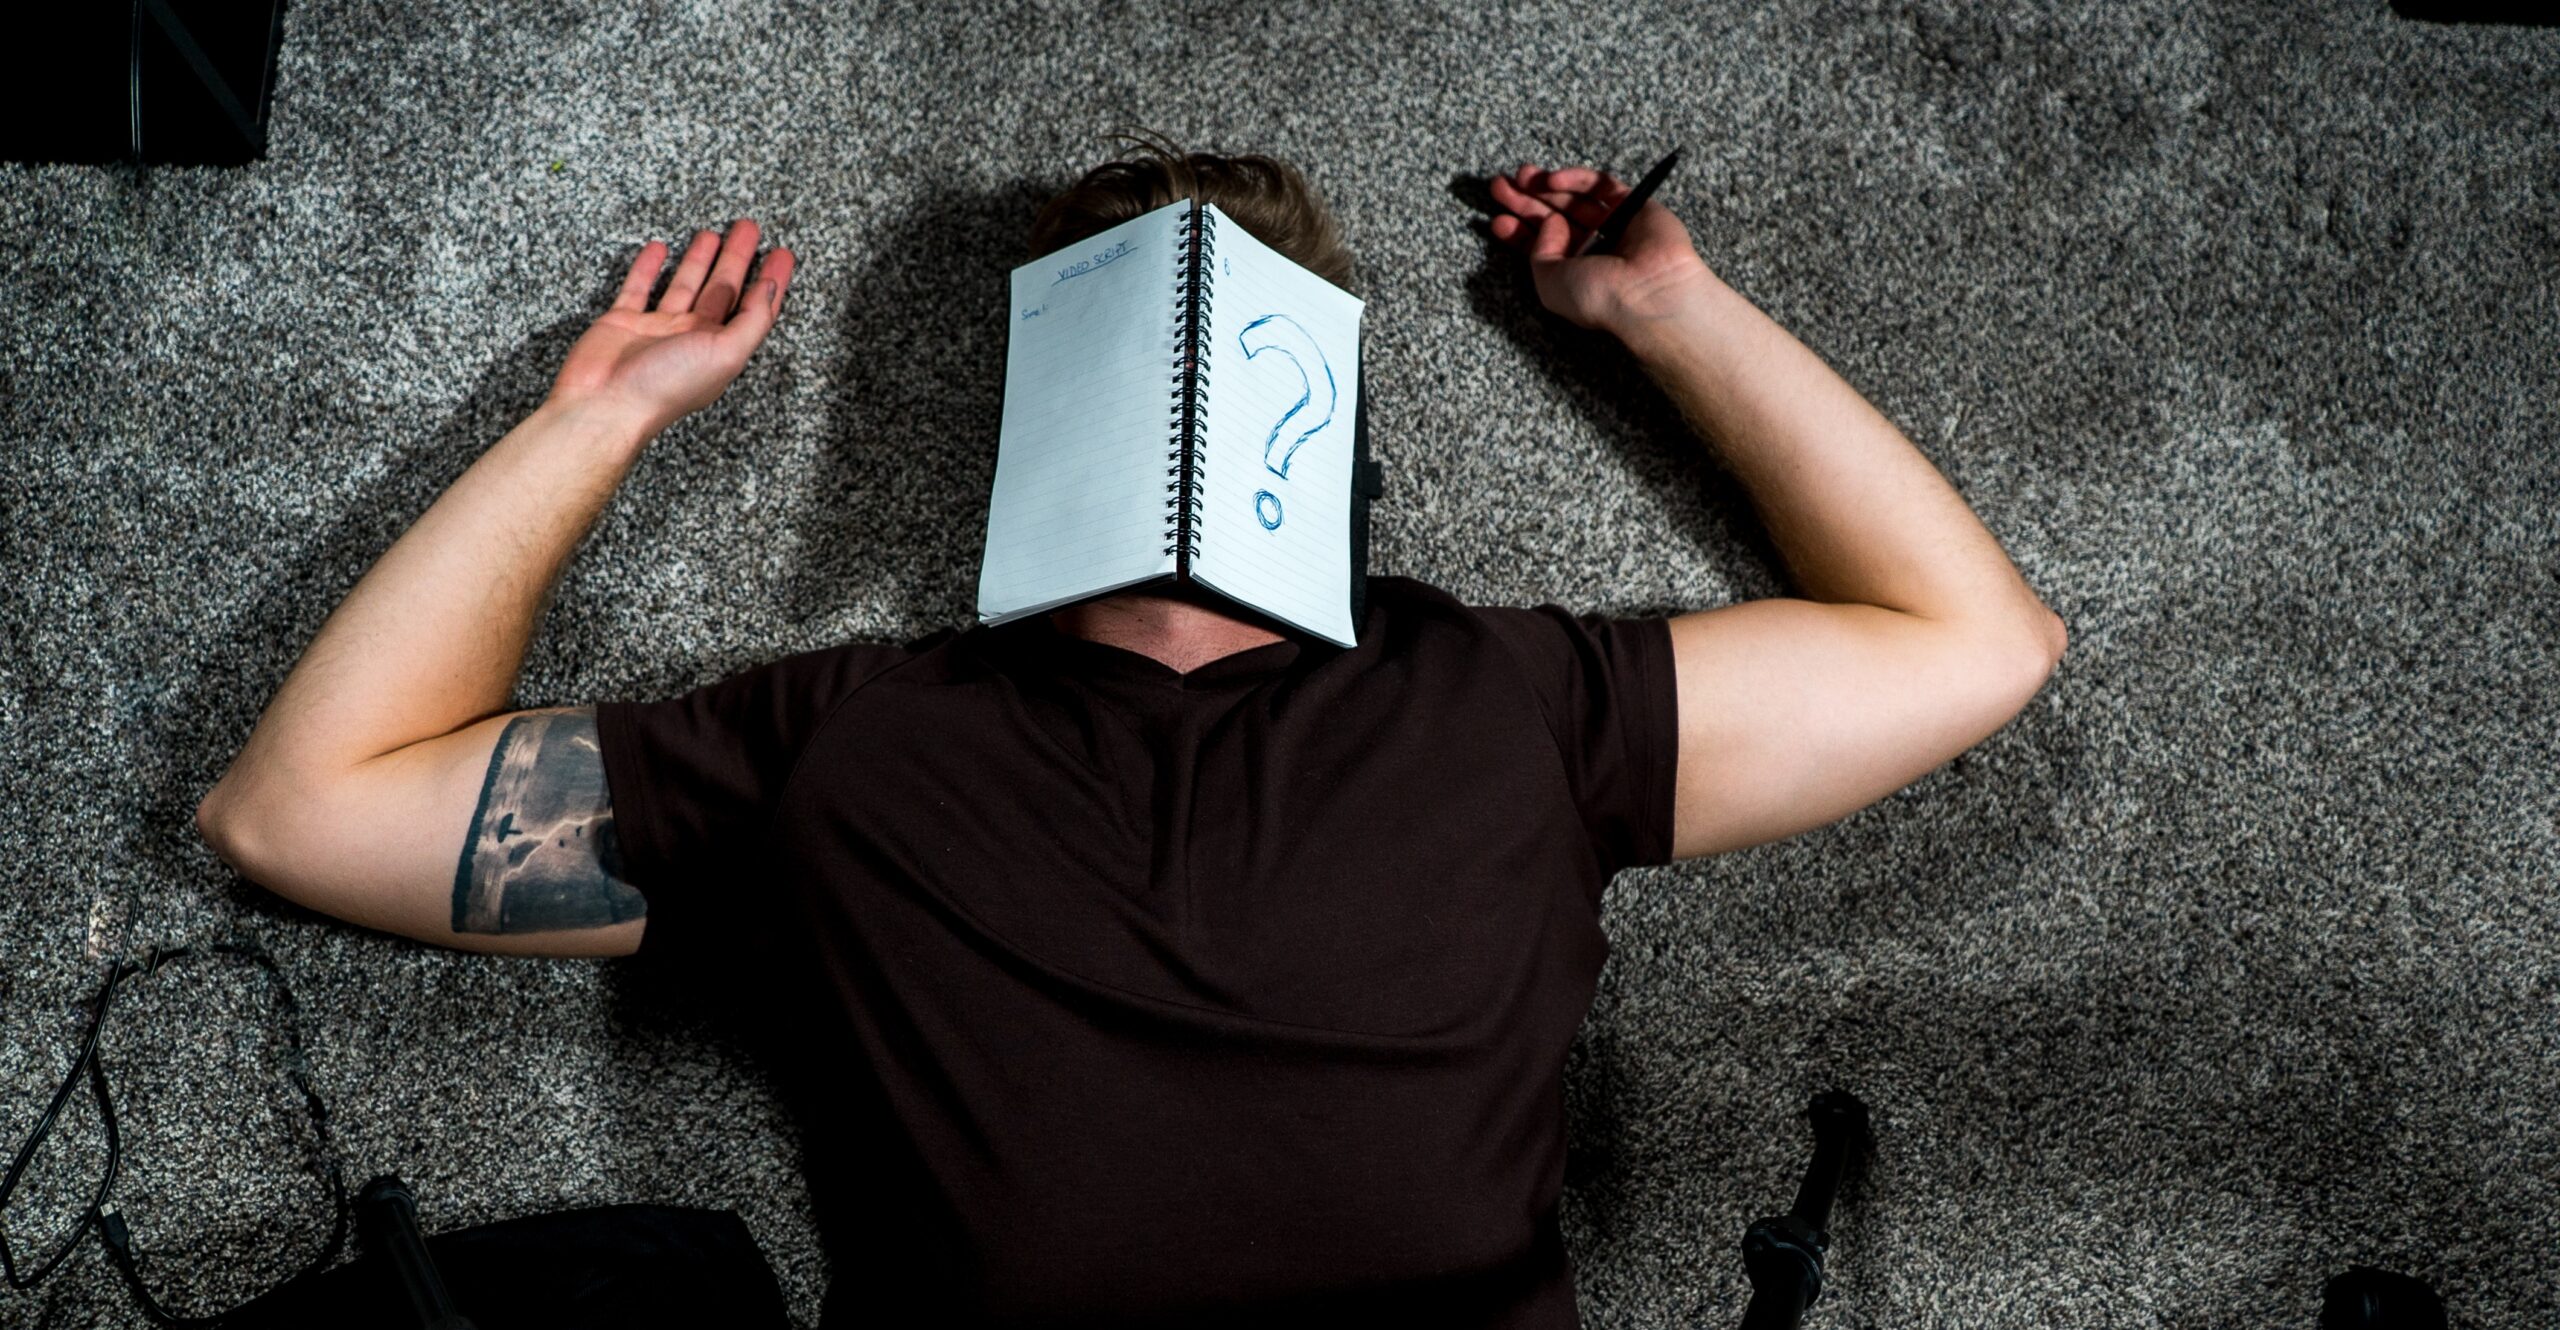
(87, 1060)
(133, 83)
(102, 1215)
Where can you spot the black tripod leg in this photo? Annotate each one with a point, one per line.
(2365, 1298)
(1783, 1253)
(387, 1217)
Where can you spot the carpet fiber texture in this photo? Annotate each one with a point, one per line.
(2226, 965)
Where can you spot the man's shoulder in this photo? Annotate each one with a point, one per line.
(824, 674)
(1550, 640)
(1407, 617)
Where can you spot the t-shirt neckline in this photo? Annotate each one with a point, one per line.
(1084, 655)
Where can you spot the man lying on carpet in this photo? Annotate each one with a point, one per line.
(1140, 964)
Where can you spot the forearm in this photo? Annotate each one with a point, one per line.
(432, 637)
(1859, 514)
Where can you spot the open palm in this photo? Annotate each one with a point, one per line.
(660, 365)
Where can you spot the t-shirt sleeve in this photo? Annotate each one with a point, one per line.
(1612, 701)
(694, 778)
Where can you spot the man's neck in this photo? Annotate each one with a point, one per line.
(1178, 634)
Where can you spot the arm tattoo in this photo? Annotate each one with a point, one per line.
(541, 853)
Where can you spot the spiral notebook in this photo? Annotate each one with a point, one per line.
(1181, 402)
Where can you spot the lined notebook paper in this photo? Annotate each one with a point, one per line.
(1126, 459)
(1276, 510)
(1079, 500)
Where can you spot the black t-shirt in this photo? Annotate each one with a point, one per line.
(1108, 995)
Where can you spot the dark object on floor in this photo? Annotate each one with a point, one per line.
(387, 1216)
(1783, 1253)
(621, 1265)
(176, 82)
(2365, 1298)
(2477, 11)
(101, 1216)
(630, 1267)
(1368, 481)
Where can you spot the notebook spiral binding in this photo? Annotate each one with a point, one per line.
(1196, 241)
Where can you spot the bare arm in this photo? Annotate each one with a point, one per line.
(368, 789)
(1915, 637)
(498, 837)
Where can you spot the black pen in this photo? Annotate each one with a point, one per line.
(1615, 224)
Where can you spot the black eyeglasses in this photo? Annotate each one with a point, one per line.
(101, 1213)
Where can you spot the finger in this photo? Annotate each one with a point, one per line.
(1583, 180)
(720, 293)
(778, 268)
(643, 275)
(1554, 241)
(1520, 233)
(1511, 196)
(1568, 190)
(1585, 205)
(1584, 210)
(746, 331)
(687, 283)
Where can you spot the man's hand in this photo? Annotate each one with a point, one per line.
(653, 367)
(1652, 273)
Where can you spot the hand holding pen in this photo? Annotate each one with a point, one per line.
(1602, 255)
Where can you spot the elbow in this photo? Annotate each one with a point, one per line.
(2053, 638)
(2042, 654)
(2036, 654)
(2029, 638)
(220, 825)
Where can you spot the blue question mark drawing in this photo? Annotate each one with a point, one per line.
(1282, 334)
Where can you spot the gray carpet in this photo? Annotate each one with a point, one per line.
(2227, 965)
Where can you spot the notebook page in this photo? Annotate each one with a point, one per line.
(1284, 378)
(1079, 501)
